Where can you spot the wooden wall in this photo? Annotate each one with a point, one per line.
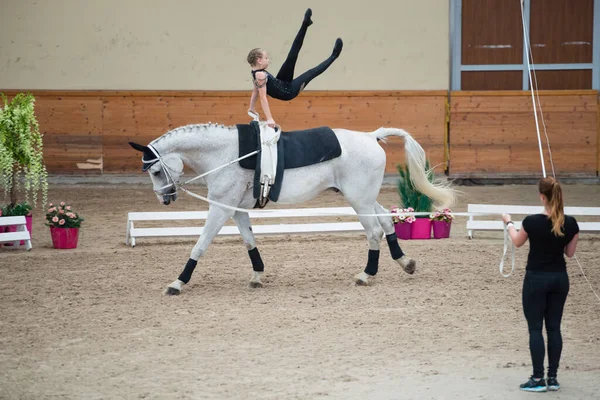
(561, 31)
(493, 134)
(87, 132)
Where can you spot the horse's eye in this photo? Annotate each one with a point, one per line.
(156, 173)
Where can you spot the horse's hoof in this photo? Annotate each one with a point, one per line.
(363, 279)
(255, 285)
(171, 291)
(408, 264)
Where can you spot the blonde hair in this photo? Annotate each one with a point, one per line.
(254, 55)
(550, 188)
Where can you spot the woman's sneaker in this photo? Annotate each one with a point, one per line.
(553, 384)
(534, 385)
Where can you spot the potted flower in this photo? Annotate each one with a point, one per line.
(442, 222)
(412, 198)
(22, 169)
(403, 222)
(64, 225)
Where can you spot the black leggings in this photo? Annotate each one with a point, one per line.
(286, 72)
(544, 296)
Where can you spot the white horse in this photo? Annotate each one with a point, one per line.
(357, 173)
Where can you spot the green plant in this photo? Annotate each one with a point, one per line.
(409, 195)
(63, 216)
(21, 151)
(23, 208)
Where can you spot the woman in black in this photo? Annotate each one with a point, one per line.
(546, 284)
(284, 86)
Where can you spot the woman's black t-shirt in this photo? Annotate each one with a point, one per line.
(546, 250)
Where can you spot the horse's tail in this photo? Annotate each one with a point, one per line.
(440, 192)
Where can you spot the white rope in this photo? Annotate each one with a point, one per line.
(586, 279)
(238, 209)
(506, 239)
(338, 214)
(542, 115)
(222, 166)
(331, 213)
(527, 45)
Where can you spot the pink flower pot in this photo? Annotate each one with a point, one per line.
(64, 238)
(403, 231)
(421, 229)
(441, 229)
(13, 228)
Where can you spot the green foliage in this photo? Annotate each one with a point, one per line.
(409, 195)
(21, 150)
(23, 208)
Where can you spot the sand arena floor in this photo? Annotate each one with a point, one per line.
(92, 323)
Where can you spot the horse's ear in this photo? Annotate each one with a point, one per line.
(138, 147)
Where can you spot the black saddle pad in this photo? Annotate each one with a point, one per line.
(295, 149)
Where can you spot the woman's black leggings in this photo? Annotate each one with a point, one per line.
(544, 296)
(286, 72)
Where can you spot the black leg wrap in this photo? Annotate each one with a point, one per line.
(395, 249)
(373, 263)
(257, 262)
(186, 275)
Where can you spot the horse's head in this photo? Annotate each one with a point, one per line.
(164, 171)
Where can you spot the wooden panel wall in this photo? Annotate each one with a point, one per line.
(72, 128)
(493, 134)
(87, 132)
(570, 79)
(491, 32)
(492, 80)
(562, 31)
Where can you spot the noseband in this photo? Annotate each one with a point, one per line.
(166, 169)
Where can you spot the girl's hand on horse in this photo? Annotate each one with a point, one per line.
(271, 123)
(506, 218)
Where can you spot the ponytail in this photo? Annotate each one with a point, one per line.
(550, 188)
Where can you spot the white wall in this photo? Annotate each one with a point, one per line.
(202, 45)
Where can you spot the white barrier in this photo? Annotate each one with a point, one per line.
(497, 225)
(134, 232)
(21, 234)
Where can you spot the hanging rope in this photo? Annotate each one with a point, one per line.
(535, 96)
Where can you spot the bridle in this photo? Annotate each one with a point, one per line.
(171, 183)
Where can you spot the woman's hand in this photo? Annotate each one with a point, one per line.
(271, 123)
(506, 218)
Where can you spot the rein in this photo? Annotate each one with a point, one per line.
(175, 185)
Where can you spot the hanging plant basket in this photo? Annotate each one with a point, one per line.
(22, 169)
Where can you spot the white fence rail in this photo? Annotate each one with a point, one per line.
(483, 225)
(134, 232)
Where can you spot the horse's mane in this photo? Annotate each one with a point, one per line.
(187, 128)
